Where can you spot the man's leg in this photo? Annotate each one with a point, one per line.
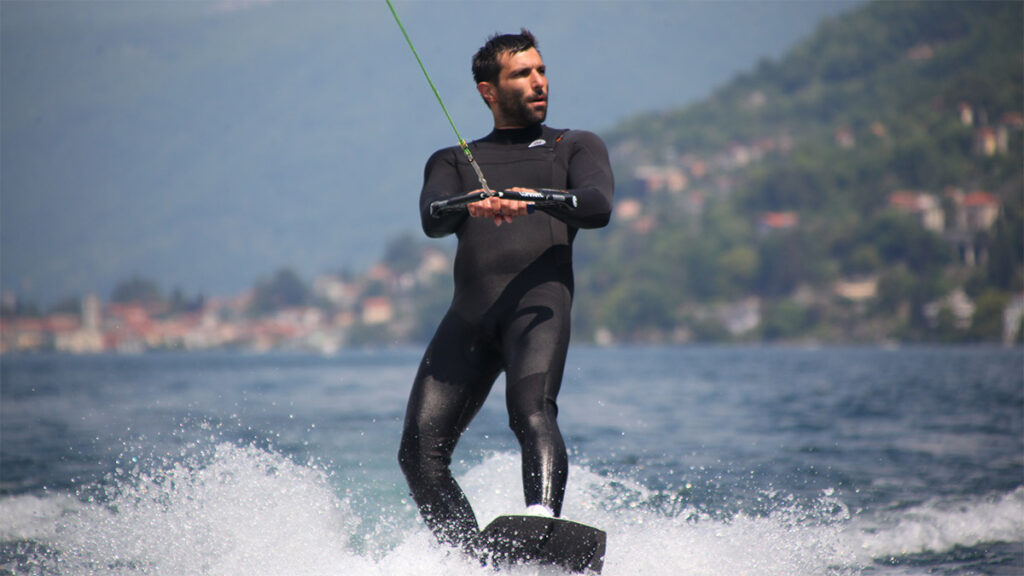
(536, 343)
(453, 381)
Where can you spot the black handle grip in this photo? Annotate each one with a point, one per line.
(543, 197)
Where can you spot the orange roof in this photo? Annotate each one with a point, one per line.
(905, 200)
(979, 198)
(780, 219)
(62, 323)
(377, 302)
(1013, 119)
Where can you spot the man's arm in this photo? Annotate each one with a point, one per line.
(590, 179)
(440, 180)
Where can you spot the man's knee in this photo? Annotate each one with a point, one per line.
(422, 459)
(533, 425)
(410, 455)
(530, 407)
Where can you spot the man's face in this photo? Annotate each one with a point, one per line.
(522, 90)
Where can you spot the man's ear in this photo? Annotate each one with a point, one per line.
(488, 92)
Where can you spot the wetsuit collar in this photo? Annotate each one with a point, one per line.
(515, 135)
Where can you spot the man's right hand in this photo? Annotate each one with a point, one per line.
(502, 211)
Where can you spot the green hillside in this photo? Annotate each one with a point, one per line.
(866, 187)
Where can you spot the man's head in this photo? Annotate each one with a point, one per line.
(511, 78)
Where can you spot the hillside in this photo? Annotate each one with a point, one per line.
(865, 187)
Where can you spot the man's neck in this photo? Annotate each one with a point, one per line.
(512, 135)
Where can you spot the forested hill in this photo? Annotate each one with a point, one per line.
(865, 187)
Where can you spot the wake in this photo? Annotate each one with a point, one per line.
(247, 510)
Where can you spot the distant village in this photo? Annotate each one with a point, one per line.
(375, 307)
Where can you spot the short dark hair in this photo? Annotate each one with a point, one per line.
(486, 61)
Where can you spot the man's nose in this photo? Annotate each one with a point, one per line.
(538, 81)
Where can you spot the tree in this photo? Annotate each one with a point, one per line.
(946, 329)
(987, 322)
(181, 303)
(137, 289)
(284, 290)
(900, 239)
(403, 254)
(739, 267)
(784, 319)
(863, 260)
(1005, 268)
(782, 264)
(895, 288)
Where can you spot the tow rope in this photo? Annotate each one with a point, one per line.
(487, 192)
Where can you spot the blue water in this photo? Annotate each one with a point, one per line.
(697, 461)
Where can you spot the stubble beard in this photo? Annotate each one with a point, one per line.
(516, 110)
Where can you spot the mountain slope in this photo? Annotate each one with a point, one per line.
(787, 182)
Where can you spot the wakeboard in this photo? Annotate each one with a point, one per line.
(569, 545)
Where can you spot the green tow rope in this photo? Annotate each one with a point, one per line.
(462, 143)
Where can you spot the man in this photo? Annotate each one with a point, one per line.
(513, 289)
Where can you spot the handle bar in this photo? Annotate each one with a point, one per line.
(543, 197)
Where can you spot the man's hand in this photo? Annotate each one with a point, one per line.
(499, 209)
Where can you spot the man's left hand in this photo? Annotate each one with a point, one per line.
(502, 211)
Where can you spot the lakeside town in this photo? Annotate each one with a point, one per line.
(335, 312)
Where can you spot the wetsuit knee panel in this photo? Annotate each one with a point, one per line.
(531, 403)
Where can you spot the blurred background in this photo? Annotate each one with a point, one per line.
(244, 174)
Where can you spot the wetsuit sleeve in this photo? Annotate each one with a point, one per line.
(590, 179)
(440, 180)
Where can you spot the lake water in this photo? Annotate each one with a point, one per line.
(696, 461)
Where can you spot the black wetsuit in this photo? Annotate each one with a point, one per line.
(510, 312)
